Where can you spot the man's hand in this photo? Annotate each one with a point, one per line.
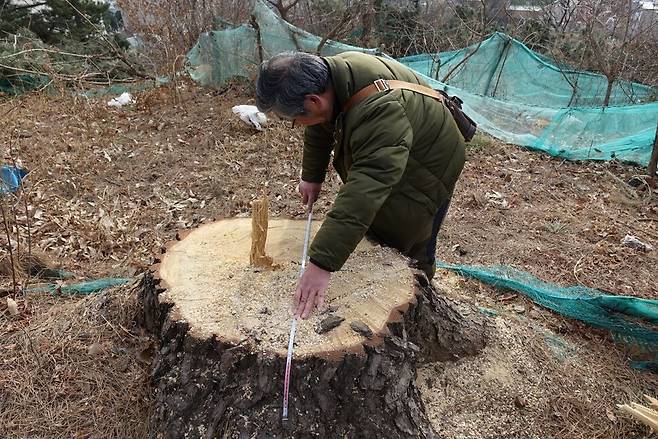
(310, 290)
(310, 191)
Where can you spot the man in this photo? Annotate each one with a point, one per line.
(399, 154)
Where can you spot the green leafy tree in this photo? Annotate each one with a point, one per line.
(53, 21)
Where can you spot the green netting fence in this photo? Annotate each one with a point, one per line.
(84, 288)
(630, 320)
(504, 68)
(524, 98)
(513, 93)
(221, 55)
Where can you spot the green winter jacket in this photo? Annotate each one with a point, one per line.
(398, 153)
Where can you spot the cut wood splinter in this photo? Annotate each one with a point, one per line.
(259, 222)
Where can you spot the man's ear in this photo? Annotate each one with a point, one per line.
(313, 102)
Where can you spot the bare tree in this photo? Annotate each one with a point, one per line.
(345, 23)
(560, 14)
(615, 40)
(283, 7)
(170, 29)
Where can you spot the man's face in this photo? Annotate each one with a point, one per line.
(309, 119)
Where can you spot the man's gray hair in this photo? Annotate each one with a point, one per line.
(285, 79)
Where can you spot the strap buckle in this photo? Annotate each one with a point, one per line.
(382, 85)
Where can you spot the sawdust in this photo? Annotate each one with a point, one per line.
(214, 289)
(530, 381)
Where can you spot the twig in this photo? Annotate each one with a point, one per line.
(333, 32)
(177, 98)
(18, 232)
(120, 326)
(57, 52)
(460, 63)
(18, 69)
(653, 162)
(29, 240)
(622, 185)
(11, 251)
(29, 340)
(575, 270)
(20, 104)
(60, 76)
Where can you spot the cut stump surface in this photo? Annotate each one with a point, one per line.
(223, 326)
(215, 290)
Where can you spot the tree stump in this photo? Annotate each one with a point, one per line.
(223, 326)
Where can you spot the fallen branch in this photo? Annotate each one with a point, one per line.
(643, 414)
(56, 52)
(89, 78)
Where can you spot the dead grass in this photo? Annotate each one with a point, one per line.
(72, 368)
(563, 222)
(110, 187)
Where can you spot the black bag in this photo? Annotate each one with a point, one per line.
(466, 125)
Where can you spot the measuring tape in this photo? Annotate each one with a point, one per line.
(293, 325)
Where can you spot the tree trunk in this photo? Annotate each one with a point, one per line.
(367, 19)
(608, 91)
(654, 157)
(223, 328)
(259, 41)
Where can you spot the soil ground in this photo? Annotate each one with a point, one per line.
(109, 187)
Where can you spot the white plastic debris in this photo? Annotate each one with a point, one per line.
(125, 99)
(632, 241)
(12, 306)
(250, 115)
(497, 199)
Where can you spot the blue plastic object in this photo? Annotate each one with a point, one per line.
(11, 177)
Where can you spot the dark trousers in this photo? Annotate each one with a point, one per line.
(424, 252)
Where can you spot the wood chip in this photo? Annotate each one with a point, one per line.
(328, 323)
(361, 328)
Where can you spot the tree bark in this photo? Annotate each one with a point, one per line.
(217, 387)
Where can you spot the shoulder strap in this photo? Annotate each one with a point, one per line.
(388, 84)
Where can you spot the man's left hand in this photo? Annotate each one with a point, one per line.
(310, 290)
